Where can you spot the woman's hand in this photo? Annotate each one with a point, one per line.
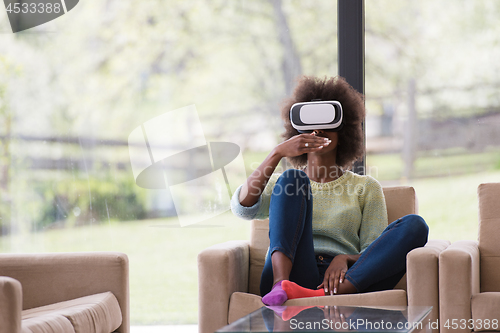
(335, 274)
(301, 144)
(295, 146)
(337, 317)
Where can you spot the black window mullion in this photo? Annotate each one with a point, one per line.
(351, 51)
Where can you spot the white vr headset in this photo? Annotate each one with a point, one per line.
(309, 116)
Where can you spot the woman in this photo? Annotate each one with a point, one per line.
(341, 244)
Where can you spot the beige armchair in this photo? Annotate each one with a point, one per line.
(64, 293)
(229, 273)
(469, 273)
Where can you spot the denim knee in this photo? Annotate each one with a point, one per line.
(292, 182)
(292, 174)
(417, 228)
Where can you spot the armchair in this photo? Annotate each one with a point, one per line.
(229, 273)
(64, 292)
(469, 273)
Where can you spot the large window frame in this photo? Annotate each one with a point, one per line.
(351, 52)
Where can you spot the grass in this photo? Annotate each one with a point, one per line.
(449, 204)
(446, 184)
(163, 267)
(433, 164)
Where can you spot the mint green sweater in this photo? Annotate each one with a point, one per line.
(348, 213)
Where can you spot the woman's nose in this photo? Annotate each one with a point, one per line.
(316, 132)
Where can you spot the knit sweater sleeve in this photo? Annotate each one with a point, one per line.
(246, 213)
(260, 210)
(374, 211)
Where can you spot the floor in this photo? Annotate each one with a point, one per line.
(165, 329)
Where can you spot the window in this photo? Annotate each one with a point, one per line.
(74, 90)
(433, 110)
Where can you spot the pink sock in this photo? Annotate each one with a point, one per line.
(286, 312)
(291, 312)
(276, 296)
(293, 290)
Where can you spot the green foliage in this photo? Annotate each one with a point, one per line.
(88, 201)
(447, 46)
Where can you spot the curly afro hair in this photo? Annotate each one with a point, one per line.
(350, 138)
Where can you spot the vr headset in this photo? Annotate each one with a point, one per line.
(309, 116)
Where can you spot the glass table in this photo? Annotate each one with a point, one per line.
(334, 319)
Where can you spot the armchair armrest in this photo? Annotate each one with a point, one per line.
(458, 281)
(423, 276)
(222, 270)
(11, 300)
(48, 278)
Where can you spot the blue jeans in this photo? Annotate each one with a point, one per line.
(380, 266)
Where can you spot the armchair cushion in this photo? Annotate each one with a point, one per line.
(259, 242)
(98, 313)
(242, 304)
(400, 201)
(53, 323)
(485, 308)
